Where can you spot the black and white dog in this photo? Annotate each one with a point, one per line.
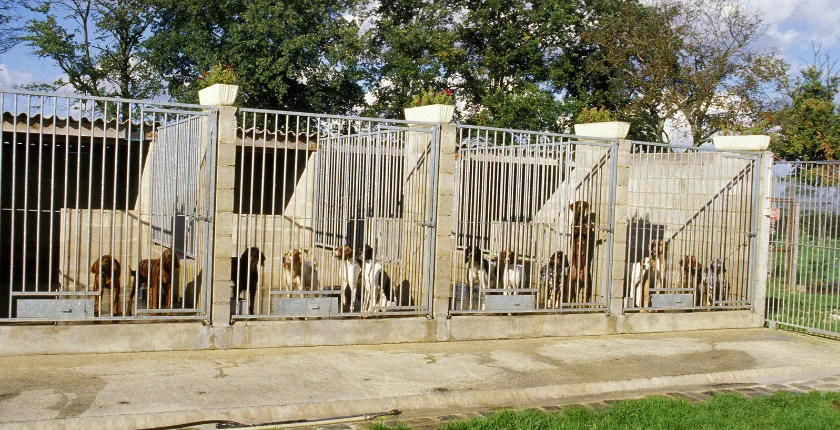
(376, 283)
(715, 280)
(480, 271)
(554, 277)
(350, 270)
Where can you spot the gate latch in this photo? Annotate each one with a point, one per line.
(204, 218)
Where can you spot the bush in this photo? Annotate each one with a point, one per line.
(218, 74)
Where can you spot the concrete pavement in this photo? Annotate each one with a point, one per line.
(137, 390)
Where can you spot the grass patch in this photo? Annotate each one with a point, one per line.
(727, 411)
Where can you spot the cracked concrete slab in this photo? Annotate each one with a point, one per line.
(131, 390)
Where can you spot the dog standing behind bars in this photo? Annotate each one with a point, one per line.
(691, 278)
(480, 271)
(157, 274)
(659, 263)
(350, 270)
(554, 278)
(513, 272)
(298, 273)
(716, 284)
(248, 276)
(582, 244)
(376, 283)
(107, 271)
(640, 282)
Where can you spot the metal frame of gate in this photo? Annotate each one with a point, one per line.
(82, 178)
(803, 291)
(693, 219)
(514, 191)
(307, 184)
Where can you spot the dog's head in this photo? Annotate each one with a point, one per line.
(690, 265)
(717, 266)
(559, 259)
(658, 248)
(507, 257)
(293, 258)
(104, 266)
(579, 208)
(255, 258)
(368, 253)
(169, 258)
(343, 253)
(582, 216)
(472, 254)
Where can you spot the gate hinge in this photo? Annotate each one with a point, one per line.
(428, 224)
(751, 234)
(204, 218)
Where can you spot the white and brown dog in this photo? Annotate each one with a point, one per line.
(350, 271)
(649, 273)
(375, 282)
(513, 273)
(299, 273)
(480, 271)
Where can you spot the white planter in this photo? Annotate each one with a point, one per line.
(604, 130)
(218, 95)
(431, 113)
(750, 142)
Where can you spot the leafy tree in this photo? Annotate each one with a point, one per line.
(9, 33)
(689, 63)
(297, 55)
(410, 45)
(100, 45)
(502, 57)
(808, 127)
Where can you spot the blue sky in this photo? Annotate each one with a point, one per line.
(792, 26)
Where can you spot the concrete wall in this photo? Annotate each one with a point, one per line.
(439, 326)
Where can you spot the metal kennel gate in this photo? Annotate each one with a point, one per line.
(803, 288)
(691, 235)
(307, 186)
(106, 208)
(534, 226)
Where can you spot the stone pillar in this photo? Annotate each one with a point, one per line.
(622, 190)
(224, 219)
(445, 228)
(762, 255)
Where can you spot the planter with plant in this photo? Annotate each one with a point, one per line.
(431, 106)
(218, 86)
(594, 122)
(732, 139)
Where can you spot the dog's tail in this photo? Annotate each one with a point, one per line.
(131, 272)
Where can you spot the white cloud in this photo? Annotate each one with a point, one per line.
(795, 24)
(9, 78)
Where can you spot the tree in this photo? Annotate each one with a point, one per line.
(808, 126)
(100, 45)
(9, 33)
(295, 55)
(690, 63)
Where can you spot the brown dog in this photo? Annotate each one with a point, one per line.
(582, 251)
(157, 274)
(659, 263)
(107, 272)
(691, 278)
(298, 273)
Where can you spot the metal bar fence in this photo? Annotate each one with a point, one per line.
(803, 291)
(691, 228)
(104, 208)
(335, 216)
(534, 222)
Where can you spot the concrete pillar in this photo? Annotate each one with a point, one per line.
(224, 219)
(622, 190)
(762, 255)
(445, 229)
